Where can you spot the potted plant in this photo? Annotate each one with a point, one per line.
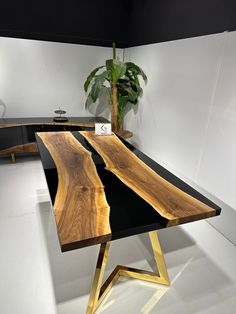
(121, 80)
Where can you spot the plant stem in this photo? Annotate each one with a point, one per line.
(114, 50)
(114, 109)
(120, 120)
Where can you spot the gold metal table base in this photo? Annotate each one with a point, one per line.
(98, 291)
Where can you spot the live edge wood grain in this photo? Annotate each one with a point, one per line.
(80, 208)
(168, 200)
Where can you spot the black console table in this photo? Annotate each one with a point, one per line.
(17, 135)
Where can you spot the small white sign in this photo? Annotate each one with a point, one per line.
(102, 128)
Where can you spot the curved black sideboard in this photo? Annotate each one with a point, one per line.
(17, 135)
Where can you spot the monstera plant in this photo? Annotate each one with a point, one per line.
(121, 80)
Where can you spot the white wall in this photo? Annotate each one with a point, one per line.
(37, 76)
(186, 119)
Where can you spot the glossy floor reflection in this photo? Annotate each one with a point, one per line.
(37, 278)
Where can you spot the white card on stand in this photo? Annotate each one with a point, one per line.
(102, 128)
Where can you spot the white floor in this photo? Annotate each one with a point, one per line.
(35, 277)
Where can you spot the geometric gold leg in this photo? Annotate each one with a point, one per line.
(98, 292)
(97, 279)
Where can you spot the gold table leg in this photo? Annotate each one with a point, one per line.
(98, 291)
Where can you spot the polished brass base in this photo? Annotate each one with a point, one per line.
(98, 291)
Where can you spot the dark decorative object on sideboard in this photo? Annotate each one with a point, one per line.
(60, 118)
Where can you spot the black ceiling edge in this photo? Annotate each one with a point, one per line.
(136, 43)
(63, 39)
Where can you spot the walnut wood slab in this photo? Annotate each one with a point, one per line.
(80, 207)
(168, 200)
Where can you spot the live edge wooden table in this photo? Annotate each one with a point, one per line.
(102, 189)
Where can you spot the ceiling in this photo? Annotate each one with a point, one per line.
(127, 22)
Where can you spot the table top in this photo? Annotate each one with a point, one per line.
(102, 188)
